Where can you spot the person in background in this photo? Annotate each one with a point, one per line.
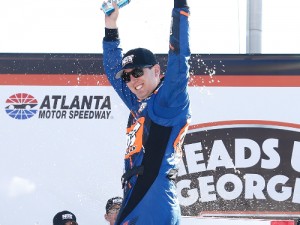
(159, 117)
(112, 209)
(64, 218)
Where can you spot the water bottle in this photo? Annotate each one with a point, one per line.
(108, 8)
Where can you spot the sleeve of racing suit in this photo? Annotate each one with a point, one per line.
(174, 98)
(112, 61)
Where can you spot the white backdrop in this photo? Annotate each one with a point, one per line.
(49, 165)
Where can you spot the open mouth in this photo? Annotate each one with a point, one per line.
(139, 87)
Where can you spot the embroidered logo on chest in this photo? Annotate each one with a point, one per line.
(142, 107)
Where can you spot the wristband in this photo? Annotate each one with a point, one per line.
(111, 34)
(180, 3)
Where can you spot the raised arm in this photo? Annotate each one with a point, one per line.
(174, 98)
(177, 73)
(112, 56)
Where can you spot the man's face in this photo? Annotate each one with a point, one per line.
(112, 214)
(144, 85)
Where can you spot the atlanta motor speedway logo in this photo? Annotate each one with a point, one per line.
(22, 106)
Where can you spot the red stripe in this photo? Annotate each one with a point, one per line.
(250, 212)
(244, 122)
(282, 222)
(195, 81)
(245, 81)
(54, 80)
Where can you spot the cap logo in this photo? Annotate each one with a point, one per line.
(67, 217)
(117, 200)
(128, 59)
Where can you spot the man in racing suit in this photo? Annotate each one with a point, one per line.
(158, 120)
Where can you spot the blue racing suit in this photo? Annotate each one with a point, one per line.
(156, 129)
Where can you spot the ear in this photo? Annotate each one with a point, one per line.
(105, 216)
(157, 70)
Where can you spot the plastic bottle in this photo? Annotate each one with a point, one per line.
(108, 8)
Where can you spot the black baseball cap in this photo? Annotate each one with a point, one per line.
(137, 58)
(113, 201)
(62, 217)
